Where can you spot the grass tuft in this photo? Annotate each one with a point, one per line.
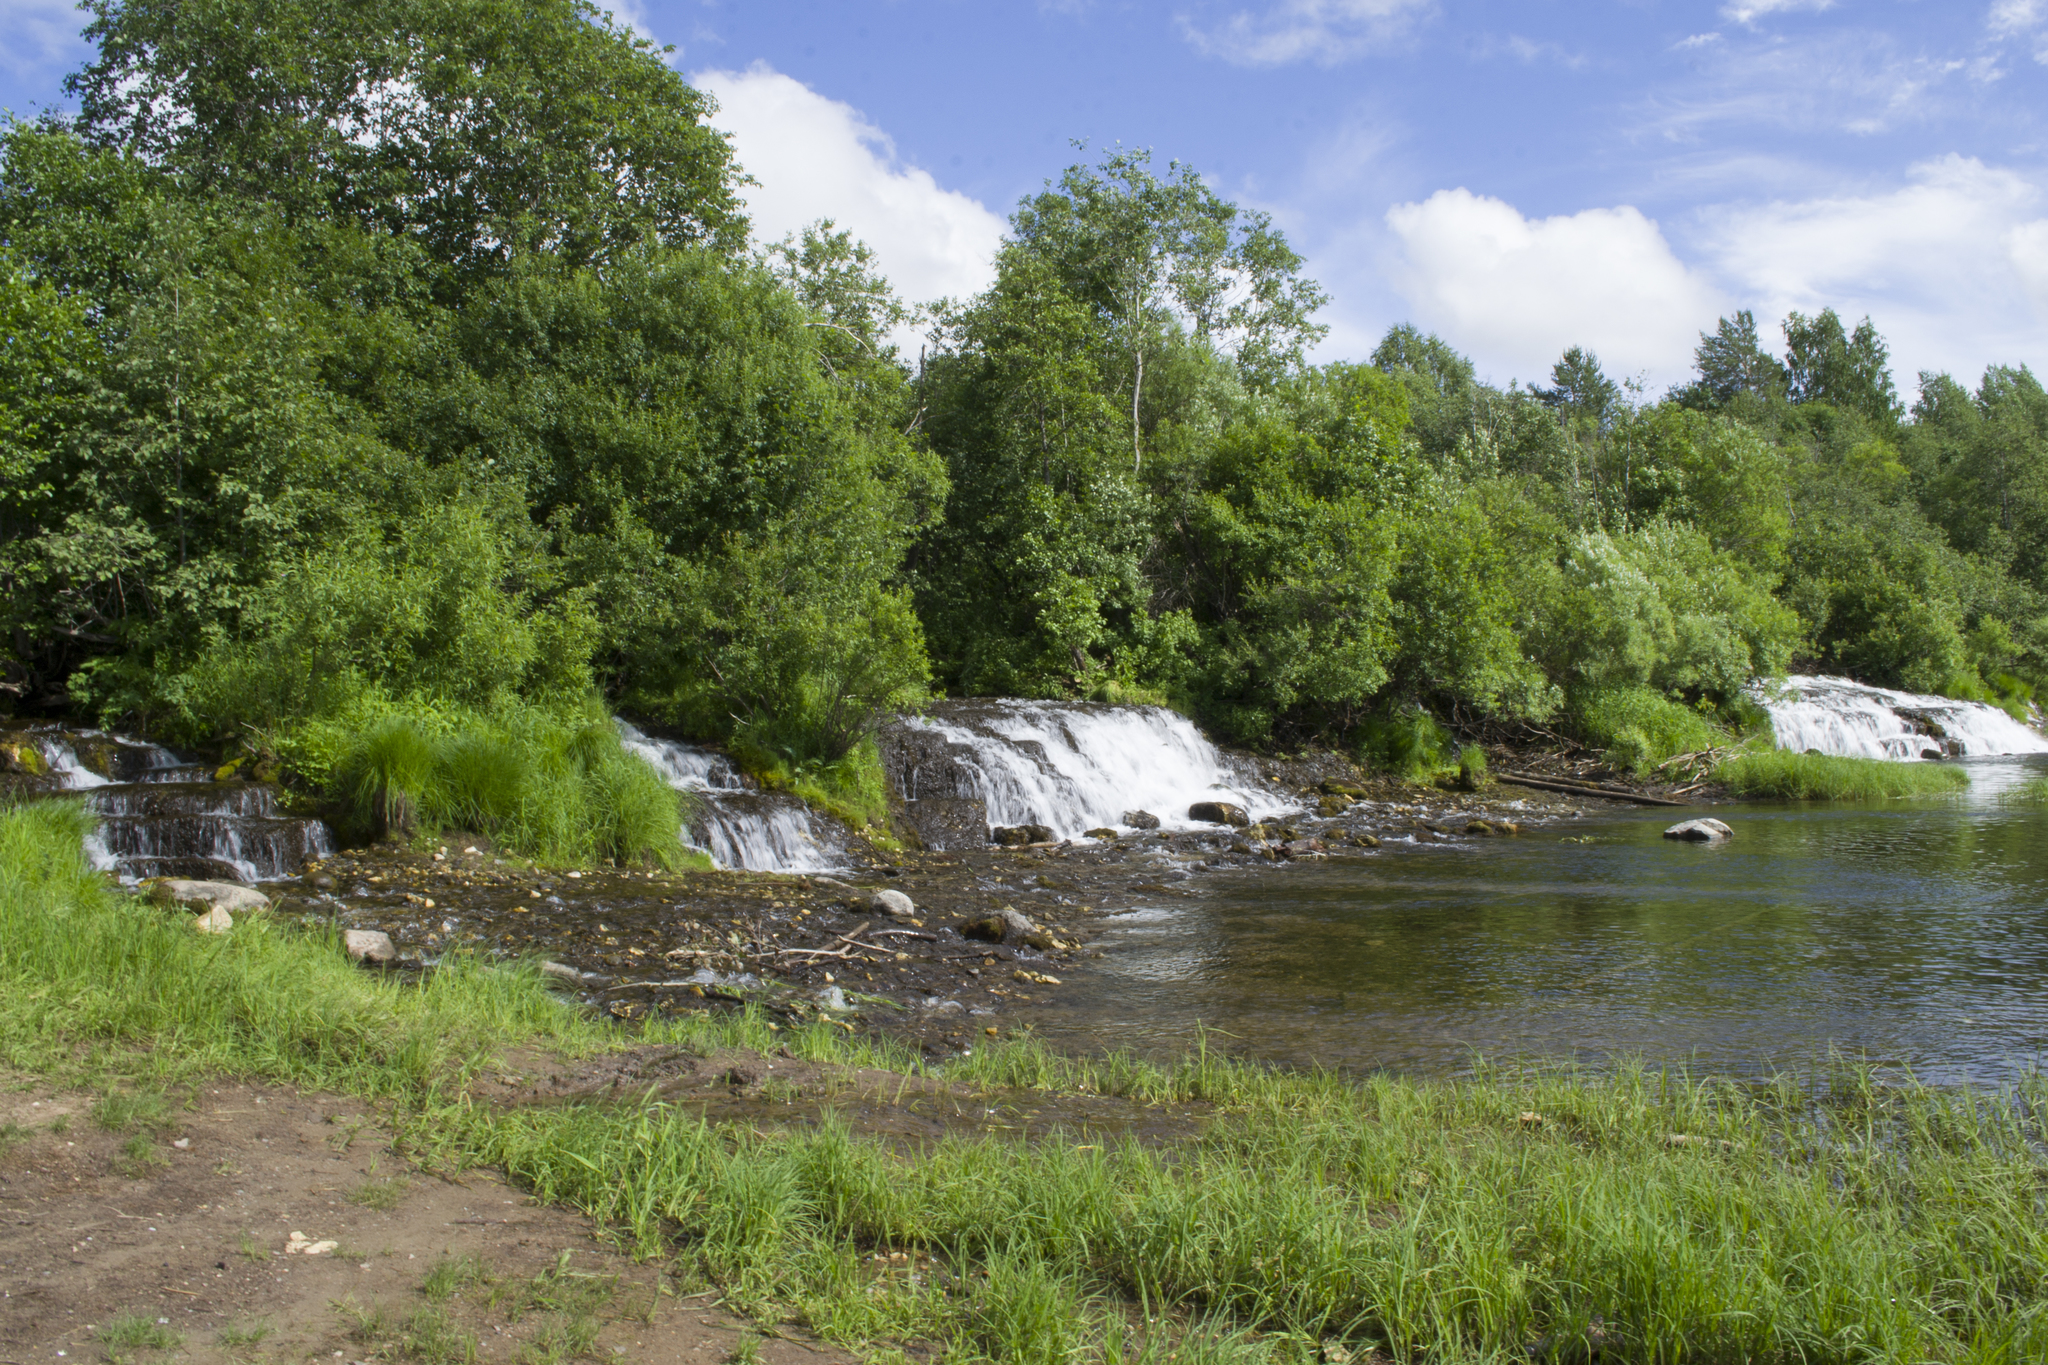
(1787, 776)
(138, 1332)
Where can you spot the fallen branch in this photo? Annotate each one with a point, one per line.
(1580, 789)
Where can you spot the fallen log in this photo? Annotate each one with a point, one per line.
(1578, 789)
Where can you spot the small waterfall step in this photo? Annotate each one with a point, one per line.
(738, 826)
(1070, 766)
(162, 815)
(1851, 719)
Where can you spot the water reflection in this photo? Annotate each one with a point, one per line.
(1915, 933)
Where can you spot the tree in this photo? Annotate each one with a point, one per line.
(1825, 364)
(1731, 363)
(1150, 255)
(478, 128)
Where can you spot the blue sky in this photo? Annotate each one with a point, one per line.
(1519, 178)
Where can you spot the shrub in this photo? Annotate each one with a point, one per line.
(1406, 742)
(1640, 729)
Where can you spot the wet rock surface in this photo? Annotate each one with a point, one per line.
(989, 942)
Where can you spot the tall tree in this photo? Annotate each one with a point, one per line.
(1824, 363)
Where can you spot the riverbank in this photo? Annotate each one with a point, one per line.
(1204, 1208)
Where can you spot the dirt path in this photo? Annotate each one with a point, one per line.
(161, 1227)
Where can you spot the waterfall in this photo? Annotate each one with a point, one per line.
(1837, 716)
(1071, 766)
(739, 827)
(162, 816)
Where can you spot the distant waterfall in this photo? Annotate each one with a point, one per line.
(1070, 766)
(1837, 716)
(739, 827)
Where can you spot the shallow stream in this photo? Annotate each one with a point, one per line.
(1912, 932)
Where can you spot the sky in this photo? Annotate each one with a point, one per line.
(1518, 178)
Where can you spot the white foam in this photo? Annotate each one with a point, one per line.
(1086, 765)
(759, 831)
(1852, 719)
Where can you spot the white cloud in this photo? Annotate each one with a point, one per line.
(1749, 11)
(37, 35)
(1516, 291)
(818, 158)
(1323, 31)
(2013, 16)
(1952, 266)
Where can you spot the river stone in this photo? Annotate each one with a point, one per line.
(214, 921)
(1009, 925)
(1140, 819)
(368, 945)
(1700, 832)
(1332, 806)
(892, 903)
(1334, 787)
(1016, 836)
(561, 971)
(223, 895)
(1104, 833)
(1219, 813)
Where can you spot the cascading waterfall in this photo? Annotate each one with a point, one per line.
(739, 827)
(1070, 766)
(160, 816)
(1837, 716)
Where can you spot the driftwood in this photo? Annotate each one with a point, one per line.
(1580, 789)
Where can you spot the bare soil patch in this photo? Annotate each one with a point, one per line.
(158, 1227)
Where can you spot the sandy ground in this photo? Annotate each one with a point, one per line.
(171, 1236)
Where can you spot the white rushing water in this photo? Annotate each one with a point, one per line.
(1837, 716)
(760, 831)
(1077, 767)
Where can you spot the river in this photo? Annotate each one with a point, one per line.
(1913, 933)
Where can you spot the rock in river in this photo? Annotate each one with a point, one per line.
(892, 903)
(1219, 813)
(214, 921)
(1016, 836)
(1010, 925)
(1140, 819)
(240, 900)
(1700, 832)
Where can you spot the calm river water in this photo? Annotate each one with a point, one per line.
(1914, 933)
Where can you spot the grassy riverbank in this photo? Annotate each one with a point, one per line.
(1780, 774)
(1657, 1216)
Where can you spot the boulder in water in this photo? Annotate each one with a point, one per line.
(1008, 925)
(1700, 832)
(1335, 787)
(368, 945)
(892, 903)
(1332, 806)
(1140, 819)
(1017, 836)
(220, 895)
(1219, 813)
(1103, 833)
(214, 921)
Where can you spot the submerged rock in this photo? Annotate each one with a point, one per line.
(221, 895)
(369, 945)
(892, 903)
(1140, 819)
(1703, 831)
(1219, 813)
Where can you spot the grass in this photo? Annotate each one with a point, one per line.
(554, 788)
(1636, 1214)
(382, 1195)
(1788, 776)
(137, 1332)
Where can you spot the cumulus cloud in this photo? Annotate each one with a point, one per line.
(1322, 31)
(1952, 265)
(1516, 291)
(37, 35)
(818, 158)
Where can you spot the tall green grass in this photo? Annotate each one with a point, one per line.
(562, 791)
(1632, 1214)
(1640, 727)
(1789, 776)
